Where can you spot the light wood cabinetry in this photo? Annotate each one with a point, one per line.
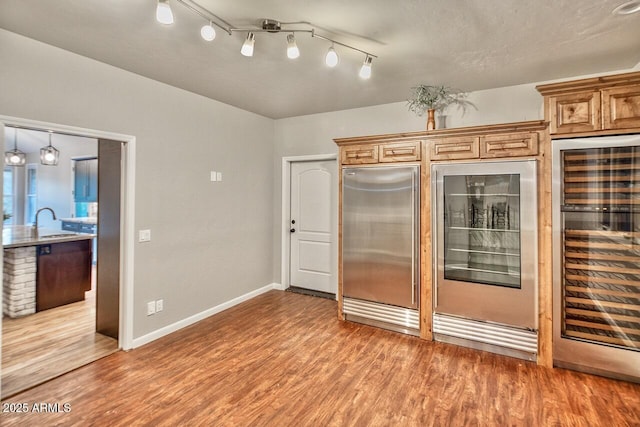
(513, 144)
(359, 154)
(455, 148)
(388, 152)
(402, 152)
(621, 107)
(595, 106)
(517, 140)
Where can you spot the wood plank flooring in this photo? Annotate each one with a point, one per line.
(49, 343)
(283, 359)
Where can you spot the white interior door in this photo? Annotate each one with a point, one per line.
(313, 186)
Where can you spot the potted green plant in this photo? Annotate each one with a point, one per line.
(435, 98)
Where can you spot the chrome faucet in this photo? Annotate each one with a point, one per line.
(34, 230)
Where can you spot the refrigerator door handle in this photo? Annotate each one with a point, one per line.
(413, 237)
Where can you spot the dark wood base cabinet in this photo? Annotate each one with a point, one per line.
(63, 273)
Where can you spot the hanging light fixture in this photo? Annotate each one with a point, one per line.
(332, 58)
(247, 47)
(365, 71)
(49, 155)
(208, 32)
(15, 157)
(292, 48)
(164, 15)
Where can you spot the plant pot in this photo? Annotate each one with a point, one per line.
(431, 119)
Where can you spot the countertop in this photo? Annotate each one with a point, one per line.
(81, 220)
(16, 236)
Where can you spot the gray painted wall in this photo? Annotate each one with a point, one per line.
(211, 242)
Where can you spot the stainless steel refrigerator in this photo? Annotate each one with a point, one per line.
(380, 242)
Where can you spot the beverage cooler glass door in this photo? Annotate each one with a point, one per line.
(486, 238)
(596, 297)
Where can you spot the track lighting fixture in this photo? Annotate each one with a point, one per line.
(365, 71)
(247, 47)
(332, 58)
(165, 16)
(208, 32)
(292, 49)
(49, 155)
(15, 157)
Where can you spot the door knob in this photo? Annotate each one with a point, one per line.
(293, 230)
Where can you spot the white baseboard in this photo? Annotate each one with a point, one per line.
(159, 333)
(279, 287)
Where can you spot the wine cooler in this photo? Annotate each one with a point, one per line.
(596, 229)
(485, 247)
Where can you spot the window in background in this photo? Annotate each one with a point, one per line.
(31, 200)
(8, 195)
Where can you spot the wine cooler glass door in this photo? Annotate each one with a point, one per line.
(486, 242)
(596, 210)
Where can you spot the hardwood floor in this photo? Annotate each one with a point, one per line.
(49, 343)
(284, 359)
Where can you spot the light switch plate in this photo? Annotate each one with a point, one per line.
(144, 235)
(159, 305)
(214, 176)
(219, 176)
(151, 308)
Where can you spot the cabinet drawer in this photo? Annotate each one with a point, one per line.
(455, 148)
(579, 112)
(400, 152)
(87, 228)
(70, 226)
(509, 145)
(621, 107)
(359, 154)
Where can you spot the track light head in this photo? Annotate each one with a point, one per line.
(332, 58)
(292, 49)
(365, 71)
(164, 15)
(208, 32)
(247, 47)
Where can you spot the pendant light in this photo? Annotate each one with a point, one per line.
(292, 48)
(332, 58)
(15, 157)
(164, 15)
(247, 47)
(365, 71)
(49, 155)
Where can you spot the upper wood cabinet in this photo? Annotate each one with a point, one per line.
(387, 152)
(600, 105)
(487, 142)
(359, 154)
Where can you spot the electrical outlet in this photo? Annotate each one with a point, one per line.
(159, 305)
(151, 308)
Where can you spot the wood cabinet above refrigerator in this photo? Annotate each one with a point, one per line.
(595, 106)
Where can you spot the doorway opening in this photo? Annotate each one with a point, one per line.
(43, 345)
(310, 225)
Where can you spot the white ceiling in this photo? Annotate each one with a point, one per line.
(466, 44)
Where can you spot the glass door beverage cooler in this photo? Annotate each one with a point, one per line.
(485, 248)
(596, 217)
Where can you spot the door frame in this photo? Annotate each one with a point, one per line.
(285, 242)
(127, 200)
